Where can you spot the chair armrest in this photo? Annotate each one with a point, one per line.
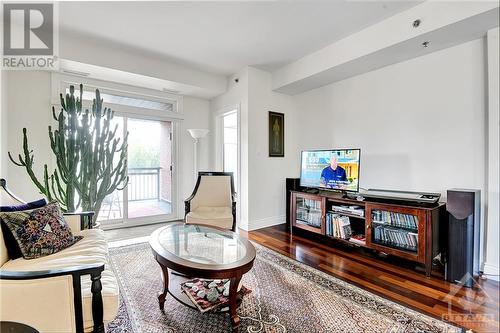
(86, 219)
(76, 272)
(28, 275)
(187, 203)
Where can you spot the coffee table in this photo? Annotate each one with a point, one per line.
(192, 250)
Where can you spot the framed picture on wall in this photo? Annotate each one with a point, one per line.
(276, 134)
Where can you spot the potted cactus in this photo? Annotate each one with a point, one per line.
(91, 160)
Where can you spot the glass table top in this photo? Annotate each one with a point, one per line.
(201, 244)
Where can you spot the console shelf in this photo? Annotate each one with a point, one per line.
(407, 232)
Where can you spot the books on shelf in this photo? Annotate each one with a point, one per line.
(353, 210)
(395, 219)
(358, 239)
(396, 237)
(338, 226)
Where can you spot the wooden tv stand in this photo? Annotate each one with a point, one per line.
(408, 232)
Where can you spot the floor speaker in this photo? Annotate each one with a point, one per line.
(462, 264)
(292, 184)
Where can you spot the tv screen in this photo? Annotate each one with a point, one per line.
(331, 169)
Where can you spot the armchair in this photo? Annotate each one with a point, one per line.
(213, 201)
(69, 291)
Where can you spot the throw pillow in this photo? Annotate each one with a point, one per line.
(26, 206)
(40, 231)
(13, 249)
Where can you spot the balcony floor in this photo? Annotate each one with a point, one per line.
(139, 208)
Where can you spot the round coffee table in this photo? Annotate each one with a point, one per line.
(202, 252)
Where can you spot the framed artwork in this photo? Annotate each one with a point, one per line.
(276, 134)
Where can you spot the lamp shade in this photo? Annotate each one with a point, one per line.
(198, 133)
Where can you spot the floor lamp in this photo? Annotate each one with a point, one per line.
(197, 134)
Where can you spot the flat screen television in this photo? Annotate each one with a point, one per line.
(335, 169)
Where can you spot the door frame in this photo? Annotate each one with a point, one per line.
(219, 147)
(138, 221)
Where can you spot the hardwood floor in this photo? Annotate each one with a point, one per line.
(476, 309)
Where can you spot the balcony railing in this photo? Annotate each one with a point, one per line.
(143, 183)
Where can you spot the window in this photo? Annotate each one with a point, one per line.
(151, 119)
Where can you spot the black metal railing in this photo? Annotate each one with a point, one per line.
(144, 183)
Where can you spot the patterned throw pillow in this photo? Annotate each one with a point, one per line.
(41, 231)
(13, 249)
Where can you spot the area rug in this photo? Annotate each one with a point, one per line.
(287, 296)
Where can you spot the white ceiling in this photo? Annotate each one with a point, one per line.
(223, 37)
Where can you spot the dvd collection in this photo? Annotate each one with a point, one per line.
(399, 238)
(309, 212)
(395, 219)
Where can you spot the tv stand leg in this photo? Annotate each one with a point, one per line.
(428, 270)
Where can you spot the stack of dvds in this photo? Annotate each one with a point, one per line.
(338, 226)
(394, 237)
(395, 219)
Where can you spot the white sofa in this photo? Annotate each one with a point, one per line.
(73, 290)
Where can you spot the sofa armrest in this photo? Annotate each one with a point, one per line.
(28, 275)
(76, 272)
(80, 221)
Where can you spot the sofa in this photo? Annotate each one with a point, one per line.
(73, 290)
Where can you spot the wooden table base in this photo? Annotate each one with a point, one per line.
(171, 285)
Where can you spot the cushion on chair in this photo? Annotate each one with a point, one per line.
(221, 217)
(92, 249)
(39, 232)
(213, 191)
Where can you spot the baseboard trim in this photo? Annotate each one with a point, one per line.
(492, 272)
(266, 222)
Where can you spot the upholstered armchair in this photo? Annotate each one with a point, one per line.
(73, 290)
(213, 201)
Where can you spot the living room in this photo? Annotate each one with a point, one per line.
(224, 116)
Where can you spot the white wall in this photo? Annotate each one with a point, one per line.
(29, 105)
(3, 122)
(267, 195)
(420, 124)
(492, 265)
(196, 115)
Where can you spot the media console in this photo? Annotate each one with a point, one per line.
(400, 230)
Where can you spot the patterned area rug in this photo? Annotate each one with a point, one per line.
(287, 296)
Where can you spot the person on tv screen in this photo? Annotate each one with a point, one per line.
(333, 176)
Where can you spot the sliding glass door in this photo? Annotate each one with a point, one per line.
(148, 195)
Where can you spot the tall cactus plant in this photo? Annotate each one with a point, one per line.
(91, 161)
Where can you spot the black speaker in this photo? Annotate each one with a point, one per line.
(292, 184)
(462, 255)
